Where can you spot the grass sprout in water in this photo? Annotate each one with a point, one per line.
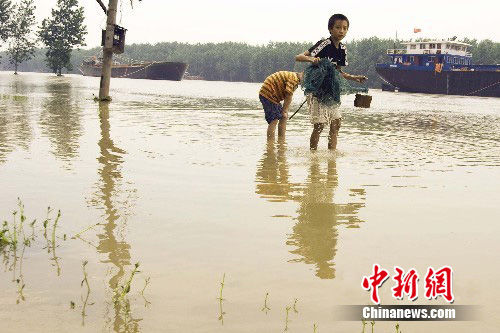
(14, 241)
(84, 301)
(266, 308)
(146, 282)
(121, 291)
(122, 303)
(220, 299)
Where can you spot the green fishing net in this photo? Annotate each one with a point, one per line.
(325, 82)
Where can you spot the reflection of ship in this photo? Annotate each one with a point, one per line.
(140, 70)
(439, 67)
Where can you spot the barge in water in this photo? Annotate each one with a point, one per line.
(439, 67)
(141, 70)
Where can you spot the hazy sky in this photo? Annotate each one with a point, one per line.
(261, 21)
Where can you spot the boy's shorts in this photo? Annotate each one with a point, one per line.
(320, 113)
(272, 110)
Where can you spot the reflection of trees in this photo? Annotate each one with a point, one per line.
(118, 252)
(314, 236)
(15, 127)
(60, 118)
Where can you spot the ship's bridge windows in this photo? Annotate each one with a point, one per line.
(432, 46)
(398, 60)
(422, 46)
(447, 46)
(438, 46)
(413, 46)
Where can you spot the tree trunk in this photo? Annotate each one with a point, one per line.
(15, 70)
(107, 57)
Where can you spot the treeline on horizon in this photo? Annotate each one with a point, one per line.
(233, 61)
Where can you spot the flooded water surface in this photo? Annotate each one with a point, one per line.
(178, 216)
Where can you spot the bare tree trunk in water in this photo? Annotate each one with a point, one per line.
(107, 57)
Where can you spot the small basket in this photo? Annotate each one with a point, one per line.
(362, 101)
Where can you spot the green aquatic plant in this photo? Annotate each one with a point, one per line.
(221, 311)
(46, 221)
(363, 322)
(20, 288)
(265, 308)
(287, 310)
(314, 328)
(121, 291)
(295, 305)
(77, 235)
(397, 328)
(373, 324)
(4, 235)
(51, 245)
(54, 228)
(222, 287)
(86, 281)
(146, 282)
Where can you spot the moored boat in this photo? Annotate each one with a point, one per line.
(143, 70)
(439, 67)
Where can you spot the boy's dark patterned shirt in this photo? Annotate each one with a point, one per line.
(325, 49)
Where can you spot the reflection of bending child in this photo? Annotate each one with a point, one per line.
(332, 49)
(278, 87)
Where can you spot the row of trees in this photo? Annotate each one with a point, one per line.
(59, 33)
(232, 61)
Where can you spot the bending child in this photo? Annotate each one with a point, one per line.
(278, 87)
(332, 49)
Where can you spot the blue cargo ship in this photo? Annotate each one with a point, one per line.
(438, 67)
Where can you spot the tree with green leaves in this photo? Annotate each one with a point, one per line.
(61, 33)
(5, 10)
(21, 41)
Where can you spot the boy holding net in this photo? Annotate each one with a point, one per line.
(333, 50)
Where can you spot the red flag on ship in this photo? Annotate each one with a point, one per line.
(415, 30)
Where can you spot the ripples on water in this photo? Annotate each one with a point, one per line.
(172, 142)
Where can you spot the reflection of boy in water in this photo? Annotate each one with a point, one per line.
(272, 173)
(278, 87)
(315, 233)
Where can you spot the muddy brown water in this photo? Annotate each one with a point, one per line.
(179, 177)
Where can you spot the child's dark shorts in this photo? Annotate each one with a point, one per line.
(271, 110)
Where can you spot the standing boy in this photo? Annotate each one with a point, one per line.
(332, 49)
(278, 87)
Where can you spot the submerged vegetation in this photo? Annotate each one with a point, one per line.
(16, 236)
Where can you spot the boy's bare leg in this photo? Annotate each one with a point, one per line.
(271, 129)
(334, 132)
(282, 127)
(315, 136)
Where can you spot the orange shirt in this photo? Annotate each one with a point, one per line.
(276, 86)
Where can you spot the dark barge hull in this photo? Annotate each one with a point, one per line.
(467, 83)
(151, 71)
